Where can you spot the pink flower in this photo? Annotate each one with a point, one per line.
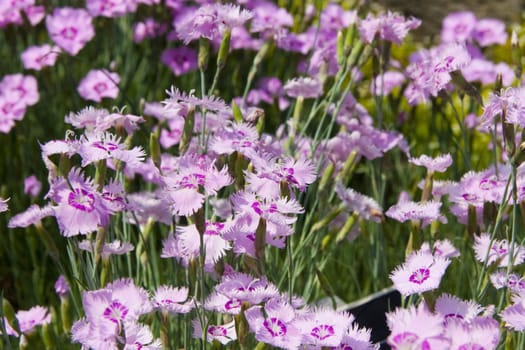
(80, 208)
(3, 205)
(458, 27)
(497, 251)
(107, 8)
(366, 206)
(241, 287)
(391, 26)
(62, 287)
(324, 327)
(356, 339)
(277, 326)
(172, 299)
(508, 104)
(22, 88)
(415, 328)
(38, 57)
(30, 216)
(421, 272)
(305, 87)
(438, 164)
(112, 248)
(70, 28)
(99, 83)
(490, 31)
(224, 333)
(481, 333)
(408, 210)
(101, 146)
(385, 83)
(32, 186)
(453, 308)
(180, 60)
(36, 316)
(514, 315)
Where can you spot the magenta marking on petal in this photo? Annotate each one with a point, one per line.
(420, 275)
(405, 338)
(81, 200)
(256, 206)
(487, 184)
(217, 331)
(275, 327)
(232, 304)
(469, 197)
(69, 33)
(115, 312)
(322, 332)
(471, 347)
(453, 316)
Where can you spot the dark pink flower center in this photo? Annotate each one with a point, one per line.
(469, 197)
(453, 316)
(275, 327)
(322, 332)
(69, 33)
(81, 200)
(100, 87)
(405, 338)
(499, 249)
(217, 331)
(232, 304)
(116, 312)
(420, 275)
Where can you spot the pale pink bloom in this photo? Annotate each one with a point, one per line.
(415, 328)
(80, 208)
(62, 287)
(245, 288)
(269, 19)
(147, 206)
(29, 319)
(180, 60)
(480, 333)
(438, 164)
(490, 31)
(112, 248)
(30, 216)
(420, 272)
(390, 26)
(172, 299)
(324, 327)
(386, 82)
(451, 307)
(514, 282)
(107, 8)
(442, 248)
(32, 186)
(224, 333)
(101, 146)
(99, 83)
(277, 325)
(223, 304)
(140, 337)
(514, 314)
(497, 251)
(35, 14)
(305, 87)
(11, 109)
(3, 205)
(70, 28)
(366, 206)
(38, 57)
(458, 26)
(23, 88)
(408, 210)
(356, 339)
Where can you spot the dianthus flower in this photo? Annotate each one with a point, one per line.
(80, 208)
(70, 28)
(451, 307)
(180, 60)
(29, 319)
(102, 146)
(277, 325)
(211, 21)
(490, 31)
(32, 186)
(224, 333)
(497, 251)
(107, 8)
(38, 57)
(420, 272)
(415, 328)
(480, 333)
(509, 104)
(386, 82)
(324, 327)
(367, 207)
(438, 164)
(408, 210)
(305, 87)
(241, 287)
(391, 26)
(458, 26)
(21, 87)
(172, 300)
(97, 84)
(112, 248)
